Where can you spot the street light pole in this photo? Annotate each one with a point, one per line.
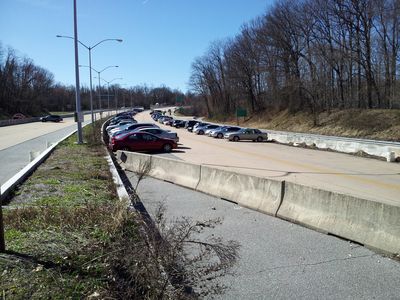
(89, 48)
(98, 76)
(99, 88)
(108, 88)
(77, 91)
(91, 88)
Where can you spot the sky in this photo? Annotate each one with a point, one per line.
(161, 38)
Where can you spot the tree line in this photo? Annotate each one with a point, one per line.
(31, 90)
(311, 55)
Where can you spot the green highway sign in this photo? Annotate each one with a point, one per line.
(241, 112)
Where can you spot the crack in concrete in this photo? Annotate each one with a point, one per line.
(317, 263)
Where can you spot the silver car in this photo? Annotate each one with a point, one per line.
(122, 123)
(160, 133)
(220, 131)
(247, 134)
(129, 127)
(203, 129)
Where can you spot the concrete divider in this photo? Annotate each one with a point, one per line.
(176, 171)
(135, 162)
(373, 224)
(250, 191)
(386, 149)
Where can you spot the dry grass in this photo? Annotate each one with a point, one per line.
(58, 226)
(69, 236)
(370, 124)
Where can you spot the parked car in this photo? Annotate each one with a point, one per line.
(141, 141)
(247, 134)
(156, 116)
(199, 124)
(156, 111)
(131, 127)
(178, 123)
(220, 131)
(163, 119)
(168, 122)
(203, 129)
(189, 124)
(160, 133)
(118, 119)
(51, 118)
(121, 123)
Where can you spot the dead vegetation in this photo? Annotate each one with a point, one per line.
(69, 236)
(379, 124)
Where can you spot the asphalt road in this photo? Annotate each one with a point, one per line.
(360, 177)
(18, 141)
(278, 259)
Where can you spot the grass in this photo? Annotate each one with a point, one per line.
(69, 236)
(59, 226)
(380, 124)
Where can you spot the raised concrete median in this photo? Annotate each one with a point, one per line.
(373, 224)
(249, 191)
(385, 149)
(178, 172)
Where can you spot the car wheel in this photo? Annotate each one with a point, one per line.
(220, 135)
(201, 132)
(236, 139)
(167, 148)
(260, 139)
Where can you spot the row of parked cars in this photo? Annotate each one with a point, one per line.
(231, 133)
(125, 133)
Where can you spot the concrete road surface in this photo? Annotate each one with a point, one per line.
(278, 259)
(360, 177)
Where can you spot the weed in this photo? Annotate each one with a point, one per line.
(69, 237)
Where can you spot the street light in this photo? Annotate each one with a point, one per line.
(98, 73)
(89, 48)
(77, 92)
(108, 89)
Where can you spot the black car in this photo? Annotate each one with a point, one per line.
(51, 118)
(178, 123)
(189, 124)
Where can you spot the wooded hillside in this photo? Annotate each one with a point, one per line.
(310, 55)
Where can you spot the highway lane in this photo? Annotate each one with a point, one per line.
(360, 177)
(278, 259)
(16, 142)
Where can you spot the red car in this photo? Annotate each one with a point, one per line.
(141, 141)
